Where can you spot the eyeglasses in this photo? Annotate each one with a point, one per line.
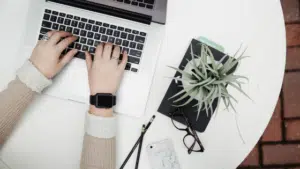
(191, 139)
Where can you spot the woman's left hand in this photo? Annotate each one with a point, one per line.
(46, 56)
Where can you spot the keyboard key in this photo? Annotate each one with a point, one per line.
(120, 28)
(113, 26)
(97, 43)
(133, 60)
(128, 30)
(81, 25)
(92, 50)
(102, 30)
(111, 39)
(60, 20)
(72, 45)
(91, 21)
(62, 27)
(123, 35)
(90, 35)
(83, 33)
(90, 42)
(62, 14)
(84, 20)
(54, 13)
(83, 40)
(116, 34)
(55, 26)
(149, 1)
(125, 43)
(104, 38)
(99, 23)
(135, 32)
(46, 24)
(128, 66)
(95, 28)
(78, 46)
(85, 48)
(143, 34)
(118, 41)
(127, 1)
(139, 39)
(134, 3)
(88, 27)
(45, 30)
(149, 6)
(105, 24)
(40, 37)
(53, 18)
(135, 53)
(80, 55)
(67, 21)
(70, 16)
(140, 0)
(69, 29)
(74, 23)
(109, 32)
(77, 40)
(140, 46)
(77, 18)
(130, 37)
(76, 31)
(46, 17)
(47, 11)
(134, 70)
(97, 36)
(142, 5)
(132, 45)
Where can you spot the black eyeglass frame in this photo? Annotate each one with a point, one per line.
(190, 130)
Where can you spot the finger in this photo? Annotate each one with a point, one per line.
(123, 63)
(89, 62)
(116, 54)
(68, 57)
(57, 36)
(107, 51)
(99, 51)
(65, 43)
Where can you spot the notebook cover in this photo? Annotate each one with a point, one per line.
(190, 111)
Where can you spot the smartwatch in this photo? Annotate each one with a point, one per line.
(103, 100)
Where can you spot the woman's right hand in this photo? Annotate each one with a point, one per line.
(105, 73)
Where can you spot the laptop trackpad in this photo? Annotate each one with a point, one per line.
(71, 83)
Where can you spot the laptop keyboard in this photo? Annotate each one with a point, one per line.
(91, 33)
(141, 3)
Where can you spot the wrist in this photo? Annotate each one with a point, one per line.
(101, 111)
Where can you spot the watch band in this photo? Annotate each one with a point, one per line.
(103, 100)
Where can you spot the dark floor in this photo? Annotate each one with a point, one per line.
(279, 147)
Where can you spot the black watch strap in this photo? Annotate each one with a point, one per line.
(103, 100)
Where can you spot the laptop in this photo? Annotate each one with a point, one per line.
(137, 26)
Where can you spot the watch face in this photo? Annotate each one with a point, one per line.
(104, 101)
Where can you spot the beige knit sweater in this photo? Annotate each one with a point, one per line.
(99, 141)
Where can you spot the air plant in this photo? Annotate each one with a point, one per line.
(205, 80)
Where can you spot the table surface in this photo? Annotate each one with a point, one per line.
(50, 134)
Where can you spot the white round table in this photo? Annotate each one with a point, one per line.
(50, 134)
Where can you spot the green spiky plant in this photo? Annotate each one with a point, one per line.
(205, 79)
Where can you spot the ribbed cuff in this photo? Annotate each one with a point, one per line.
(32, 77)
(101, 127)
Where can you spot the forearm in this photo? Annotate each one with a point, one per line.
(14, 100)
(17, 96)
(99, 146)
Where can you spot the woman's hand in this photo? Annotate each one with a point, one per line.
(105, 73)
(46, 54)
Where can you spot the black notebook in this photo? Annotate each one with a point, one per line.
(190, 111)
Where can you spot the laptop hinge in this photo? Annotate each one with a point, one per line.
(105, 9)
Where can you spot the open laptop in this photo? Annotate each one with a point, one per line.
(135, 25)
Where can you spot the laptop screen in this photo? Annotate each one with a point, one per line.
(153, 9)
